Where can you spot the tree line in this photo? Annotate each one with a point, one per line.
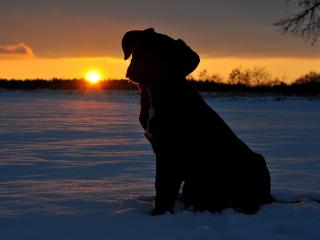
(252, 81)
(241, 80)
(65, 84)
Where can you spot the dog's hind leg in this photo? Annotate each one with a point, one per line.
(167, 187)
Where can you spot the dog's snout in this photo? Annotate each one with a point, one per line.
(137, 71)
(130, 72)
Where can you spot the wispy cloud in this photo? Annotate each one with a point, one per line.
(16, 50)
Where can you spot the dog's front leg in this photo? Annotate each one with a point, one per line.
(167, 185)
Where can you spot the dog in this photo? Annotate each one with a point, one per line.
(195, 149)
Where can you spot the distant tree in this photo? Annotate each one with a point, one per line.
(260, 76)
(256, 76)
(204, 76)
(307, 84)
(240, 76)
(309, 78)
(216, 77)
(276, 82)
(304, 23)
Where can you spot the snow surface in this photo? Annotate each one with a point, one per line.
(77, 166)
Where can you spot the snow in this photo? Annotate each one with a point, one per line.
(77, 166)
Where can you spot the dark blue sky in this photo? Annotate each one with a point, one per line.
(214, 28)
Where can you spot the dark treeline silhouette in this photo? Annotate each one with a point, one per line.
(240, 81)
(65, 84)
(42, 84)
(303, 89)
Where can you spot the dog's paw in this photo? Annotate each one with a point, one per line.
(161, 211)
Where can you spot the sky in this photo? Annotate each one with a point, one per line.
(66, 38)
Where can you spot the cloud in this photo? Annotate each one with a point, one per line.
(16, 50)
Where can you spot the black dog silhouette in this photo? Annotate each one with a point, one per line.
(193, 145)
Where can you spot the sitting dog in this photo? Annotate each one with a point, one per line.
(194, 147)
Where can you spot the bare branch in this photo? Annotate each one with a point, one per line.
(305, 23)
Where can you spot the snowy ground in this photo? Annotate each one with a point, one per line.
(76, 166)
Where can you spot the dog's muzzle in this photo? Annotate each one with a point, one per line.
(139, 72)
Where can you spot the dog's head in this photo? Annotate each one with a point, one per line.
(156, 56)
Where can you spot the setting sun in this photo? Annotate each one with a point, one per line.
(93, 76)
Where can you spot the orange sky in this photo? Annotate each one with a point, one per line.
(286, 69)
(64, 39)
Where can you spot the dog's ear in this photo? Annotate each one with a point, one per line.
(129, 42)
(188, 60)
(132, 39)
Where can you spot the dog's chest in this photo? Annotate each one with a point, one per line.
(151, 115)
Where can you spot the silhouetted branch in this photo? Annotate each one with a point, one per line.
(305, 23)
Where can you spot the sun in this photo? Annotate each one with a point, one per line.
(93, 76)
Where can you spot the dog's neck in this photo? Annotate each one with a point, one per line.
(160, 88)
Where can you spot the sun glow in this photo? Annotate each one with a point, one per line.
(93, 76)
